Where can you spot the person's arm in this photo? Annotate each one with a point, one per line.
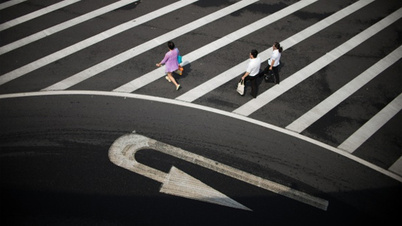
(163, 61)
(272, 63)
(245, 75)
(274, 56)
(248, 70)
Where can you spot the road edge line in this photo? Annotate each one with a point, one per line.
(208, 109)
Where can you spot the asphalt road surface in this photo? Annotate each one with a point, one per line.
(77, 76)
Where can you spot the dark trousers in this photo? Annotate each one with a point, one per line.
(275, 70)
(253, 81)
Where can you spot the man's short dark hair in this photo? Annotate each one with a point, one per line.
(254, 53)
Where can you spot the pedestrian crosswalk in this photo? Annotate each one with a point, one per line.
(35, 14)
(91, 41)
(202, 89)
(341, 94)
(10, 3)
(370, 127)
(118, 59)
(314, 67)
(214, 82)
(64, 25)
(211, 47)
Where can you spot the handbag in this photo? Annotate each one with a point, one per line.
(240, 87)
(179, 59)
(269, 77)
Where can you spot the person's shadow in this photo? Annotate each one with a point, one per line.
(186, 71)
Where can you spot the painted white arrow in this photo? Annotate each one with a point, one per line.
(176, 182)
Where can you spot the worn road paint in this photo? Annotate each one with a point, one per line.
(176, 182)
(124, 148)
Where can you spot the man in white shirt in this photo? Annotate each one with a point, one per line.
(252, 71)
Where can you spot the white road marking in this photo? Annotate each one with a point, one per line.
(122, 153)
(10, 3)
(128, 54)
(232, 73)
(176, 182)
(36, 14)
(62, 26)
(91, 41)
(213, 46)
(212, 110)
(340, 95)
(397, 166)
(293, 80)
(372, 126)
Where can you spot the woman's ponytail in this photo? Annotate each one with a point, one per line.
(278, 46)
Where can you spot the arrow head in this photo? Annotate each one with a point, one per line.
(179, 183)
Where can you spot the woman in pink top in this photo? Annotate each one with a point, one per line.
(171, 63)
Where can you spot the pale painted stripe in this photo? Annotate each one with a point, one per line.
(62, 26)
(340, 95)
(128, 54)
(317, 65)
(232, 73)
(10, 3)
(372, 126)
(207, 49)
(36, 14)
(212, 110)
(91, 41)
(397, 167)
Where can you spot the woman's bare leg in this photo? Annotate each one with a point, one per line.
(172, 79)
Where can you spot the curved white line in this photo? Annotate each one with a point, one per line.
(208, 109)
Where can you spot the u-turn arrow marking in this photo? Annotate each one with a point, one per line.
(176, 182)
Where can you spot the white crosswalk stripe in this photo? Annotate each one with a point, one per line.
(10, 3)
(63, 26)
(397, 166)
(35, 14)
(299, 125)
